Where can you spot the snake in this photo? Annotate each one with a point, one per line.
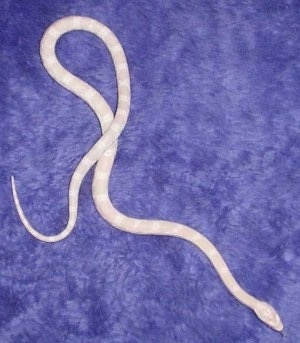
(103, 152)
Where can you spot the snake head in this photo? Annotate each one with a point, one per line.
(269, 316)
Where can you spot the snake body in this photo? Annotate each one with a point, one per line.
(103, 154)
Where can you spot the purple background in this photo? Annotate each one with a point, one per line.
(213, 141)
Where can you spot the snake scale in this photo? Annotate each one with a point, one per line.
(103, 154)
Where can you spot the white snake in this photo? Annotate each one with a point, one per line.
(104, 151)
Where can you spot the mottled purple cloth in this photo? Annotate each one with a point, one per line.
(213, 141)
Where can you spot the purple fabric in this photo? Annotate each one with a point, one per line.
(212, 142)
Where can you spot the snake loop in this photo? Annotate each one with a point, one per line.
(103, 154)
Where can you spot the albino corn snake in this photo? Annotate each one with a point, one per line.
(103, 154)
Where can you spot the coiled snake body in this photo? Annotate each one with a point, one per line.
(103, 154)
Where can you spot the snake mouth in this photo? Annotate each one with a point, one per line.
(278, 326)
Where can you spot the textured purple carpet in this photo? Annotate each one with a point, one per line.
(213, 141)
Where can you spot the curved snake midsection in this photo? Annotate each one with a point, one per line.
(103, 154)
